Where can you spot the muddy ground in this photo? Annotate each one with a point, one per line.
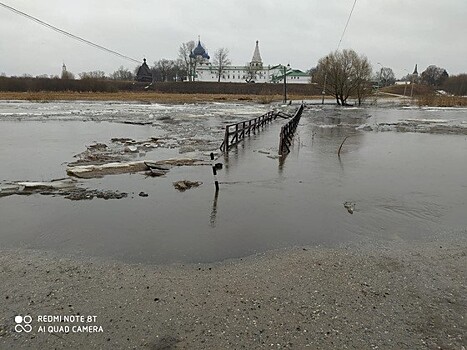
(369, 296)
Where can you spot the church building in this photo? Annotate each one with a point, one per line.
(144, 73)
(252, 72)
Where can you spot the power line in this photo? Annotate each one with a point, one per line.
(348, 20)
(90, 43)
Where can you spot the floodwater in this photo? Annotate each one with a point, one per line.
(403, 170)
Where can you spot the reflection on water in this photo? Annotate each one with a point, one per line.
(213, 217)
(405, 185)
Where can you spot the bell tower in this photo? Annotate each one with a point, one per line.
(256, 61)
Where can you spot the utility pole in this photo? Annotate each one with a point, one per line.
(324, 87)
(405, 87)
(285, 83)
(414, 74)
(325, 78)
(379, 79)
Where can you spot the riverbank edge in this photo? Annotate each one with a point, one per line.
(148, 97)
(386, 295)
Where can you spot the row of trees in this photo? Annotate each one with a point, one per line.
(433, 76)
(122, 73)
(456, 85)
(345, 74)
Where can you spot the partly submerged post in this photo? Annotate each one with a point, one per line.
(214, 172)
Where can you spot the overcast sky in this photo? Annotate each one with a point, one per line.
(395, 33)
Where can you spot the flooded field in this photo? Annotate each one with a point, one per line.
(401, 170)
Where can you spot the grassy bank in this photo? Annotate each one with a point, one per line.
(407, 90)
(142, 96)
(431, 100)
(426, 96)
(442, 101)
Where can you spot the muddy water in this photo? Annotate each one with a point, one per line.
(404, 184)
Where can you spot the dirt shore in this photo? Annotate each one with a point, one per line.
(391, 296)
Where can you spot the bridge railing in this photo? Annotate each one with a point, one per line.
(288, 130)
(235, 133)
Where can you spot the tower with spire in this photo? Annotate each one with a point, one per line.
(256, 61)
(414, 80)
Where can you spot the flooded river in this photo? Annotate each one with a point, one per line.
(402, 170)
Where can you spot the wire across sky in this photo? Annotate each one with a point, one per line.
(346, 25)
(113, 52)
(68, 34)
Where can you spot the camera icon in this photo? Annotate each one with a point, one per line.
(23, 324)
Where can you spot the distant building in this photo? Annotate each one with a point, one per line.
(66, 74)
(252, 72)
(293, 76)
(144, 73)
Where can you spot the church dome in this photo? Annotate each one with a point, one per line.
(199, 51)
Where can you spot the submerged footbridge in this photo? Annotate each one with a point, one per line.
(237, 132)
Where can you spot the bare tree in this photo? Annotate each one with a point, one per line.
(221, 61)
(434, 76)
(385, 76)
(97, 74)
(362, 76)
(407, 77)
(342, 74)
(163, 69)
(311, 72)
(456, 84)
(184, 52)
(122, 74)
(250, 73)
(179, 70)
